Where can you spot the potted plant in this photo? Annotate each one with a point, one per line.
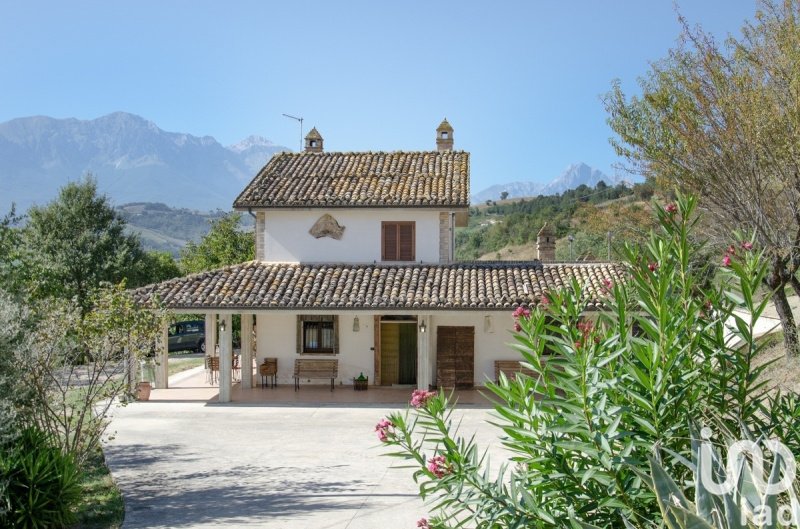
(143, 389)
(147, 373)
(361, 383)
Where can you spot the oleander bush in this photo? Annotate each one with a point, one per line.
(609, 385)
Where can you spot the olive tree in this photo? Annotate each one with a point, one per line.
(72, 391)
(723, 121)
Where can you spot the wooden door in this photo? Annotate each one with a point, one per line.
(455, 357)
(408, 353)
(390, 354)
(398, 353)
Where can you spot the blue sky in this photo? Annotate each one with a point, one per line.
(520, 81)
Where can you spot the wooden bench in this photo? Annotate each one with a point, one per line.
(510, 368)
(315, 368)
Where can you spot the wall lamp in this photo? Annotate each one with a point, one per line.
(222, 326)
(422, 327)
(356, 324)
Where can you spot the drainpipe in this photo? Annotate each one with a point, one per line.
(452, 237)
(250, 211)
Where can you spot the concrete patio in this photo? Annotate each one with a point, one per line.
(271, 458)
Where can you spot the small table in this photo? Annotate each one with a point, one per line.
(269, 368)
(361, 385)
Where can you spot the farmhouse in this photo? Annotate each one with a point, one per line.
(355, 263)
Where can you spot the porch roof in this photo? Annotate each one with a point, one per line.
(257, 285)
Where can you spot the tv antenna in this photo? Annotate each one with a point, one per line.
(301, 128)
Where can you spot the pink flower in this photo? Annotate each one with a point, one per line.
(671, 208)
(747, 245)
(517, 326)
(521, 312)
(545, 301)
(383, 428)
(438, 466)
(422, 523)
(653, 267)
(420, 397)
(608, 285)
(726, 261)
(732, 249)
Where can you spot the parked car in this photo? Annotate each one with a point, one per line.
(188, 335)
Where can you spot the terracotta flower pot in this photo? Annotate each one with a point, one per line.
(143, 390)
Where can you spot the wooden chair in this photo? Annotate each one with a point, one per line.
(212, 369)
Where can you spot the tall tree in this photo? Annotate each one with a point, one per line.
(225, 244)
(12, 265)
(724, 121)
(76, 242)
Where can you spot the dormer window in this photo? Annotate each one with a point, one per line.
(313, 143)
(444, 135)
(397, 241)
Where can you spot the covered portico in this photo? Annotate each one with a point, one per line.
(456, 316)
(352, 334)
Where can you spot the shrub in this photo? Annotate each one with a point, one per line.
(608, 387)
(42, 483)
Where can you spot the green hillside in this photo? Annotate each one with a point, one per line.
(504, 230)
(163, 228)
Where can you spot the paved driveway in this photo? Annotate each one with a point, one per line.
(193, 464)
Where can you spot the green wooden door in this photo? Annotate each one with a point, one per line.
(408, 354)
(398, 353)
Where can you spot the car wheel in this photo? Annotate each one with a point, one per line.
(201, 346)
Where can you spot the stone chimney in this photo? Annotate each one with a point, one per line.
(313, 141)
(546, 243)
(444, 136)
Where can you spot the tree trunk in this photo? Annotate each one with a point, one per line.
(787, 321)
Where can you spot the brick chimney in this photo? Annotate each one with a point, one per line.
(313, 141)
(444, 136)
(546, 243)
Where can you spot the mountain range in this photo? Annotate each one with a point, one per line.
(573, 176)
(132, 159)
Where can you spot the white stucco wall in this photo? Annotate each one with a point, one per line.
(277, 338)
(277, 335)
(286, 237)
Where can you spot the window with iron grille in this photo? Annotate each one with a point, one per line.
(398, 241)
(317, 335)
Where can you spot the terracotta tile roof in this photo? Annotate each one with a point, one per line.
(457, 286)
(360, 179)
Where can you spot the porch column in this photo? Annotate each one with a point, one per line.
(162, 358)
(247, 350)
(423, 352)
(225, 357)
(211, 336)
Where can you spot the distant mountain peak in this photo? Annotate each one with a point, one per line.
(575, 175)
(250, 142)
(132, 158)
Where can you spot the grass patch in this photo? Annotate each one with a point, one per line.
(176, 365)
(101, 505)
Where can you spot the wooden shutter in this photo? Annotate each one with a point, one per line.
(389, 242)
(398, 241)
(405, 245)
